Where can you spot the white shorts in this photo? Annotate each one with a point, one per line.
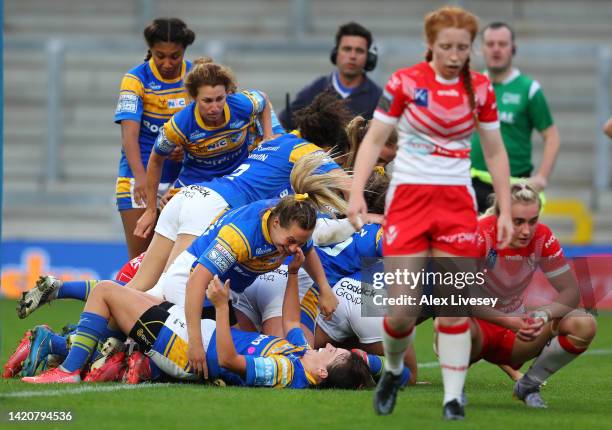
(173, 282)
(263, 299)
(190, 211)
(346, 321)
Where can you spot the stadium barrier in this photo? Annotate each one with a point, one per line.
(24, 261)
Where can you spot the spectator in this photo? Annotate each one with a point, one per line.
(354, 54)
(522, 107)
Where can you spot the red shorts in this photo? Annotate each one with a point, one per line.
(423, 216)
(497, 343)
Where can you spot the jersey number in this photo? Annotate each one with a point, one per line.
(239, 171)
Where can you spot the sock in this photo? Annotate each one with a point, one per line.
(59, 345)
(91, 327)
(454, 344)
(309, 309)
(76, 289)
(558, 353)
(377, 366)
(395, 345)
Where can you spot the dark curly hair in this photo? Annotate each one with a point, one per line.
(323, 121)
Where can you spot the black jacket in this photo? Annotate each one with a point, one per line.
(362, 101)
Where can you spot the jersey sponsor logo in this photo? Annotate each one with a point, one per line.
(385, 102)
(391, 234)
(153, 128)
(511, 99)
(154, 85)
(421, 97)
(265, 250)
(416, 145)
(236, 124)
(260, 157)
(221, 257)
(162, 144)
(259, 339)
(267, 148)
(128, 103)
(458, 237)
(176, 103)
(448, 93)
(217, 145)
(507, 117)
(394, 82)
(552, 239)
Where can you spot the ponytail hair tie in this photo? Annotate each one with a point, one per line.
(300, 197)
(380, 170)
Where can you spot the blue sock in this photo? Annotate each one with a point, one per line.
(91, 327)
(58, 345)
(155, 372)
(377, 366)
(76, 289)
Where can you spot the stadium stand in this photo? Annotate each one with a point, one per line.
(80, 205)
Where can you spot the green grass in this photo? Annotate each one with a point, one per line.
(579, 396)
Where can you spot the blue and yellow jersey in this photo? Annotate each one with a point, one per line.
(238, 245)
(211, 151)
(266, 171)
(256, 135)
(147, 98)
(271, 361)
(344, 259)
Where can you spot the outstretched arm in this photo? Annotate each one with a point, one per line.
(291, 300)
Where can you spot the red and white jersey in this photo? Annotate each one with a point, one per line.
(509, 270)
(434, 122)
(129, 269)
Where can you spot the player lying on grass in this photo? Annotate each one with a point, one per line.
(554, 334)
(237, 357)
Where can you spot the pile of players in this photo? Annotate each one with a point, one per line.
(252, 272)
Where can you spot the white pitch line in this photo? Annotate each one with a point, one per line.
(600, 351)
(79, 390)
(95, 389)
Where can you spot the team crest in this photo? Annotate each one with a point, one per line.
(421, 96)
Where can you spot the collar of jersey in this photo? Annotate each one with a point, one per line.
(311, 379)
(158, 76)
(264, 225)
(515, 73)
(201, 123)
(296, 133)
(440, 79)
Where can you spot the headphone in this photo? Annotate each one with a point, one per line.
(371, 58)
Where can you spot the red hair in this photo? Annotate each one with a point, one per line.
(453, 17)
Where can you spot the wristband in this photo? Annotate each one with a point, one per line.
(292, 273)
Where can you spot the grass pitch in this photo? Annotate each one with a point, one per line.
(580, 396)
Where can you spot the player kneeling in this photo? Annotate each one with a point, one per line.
(554, 334)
